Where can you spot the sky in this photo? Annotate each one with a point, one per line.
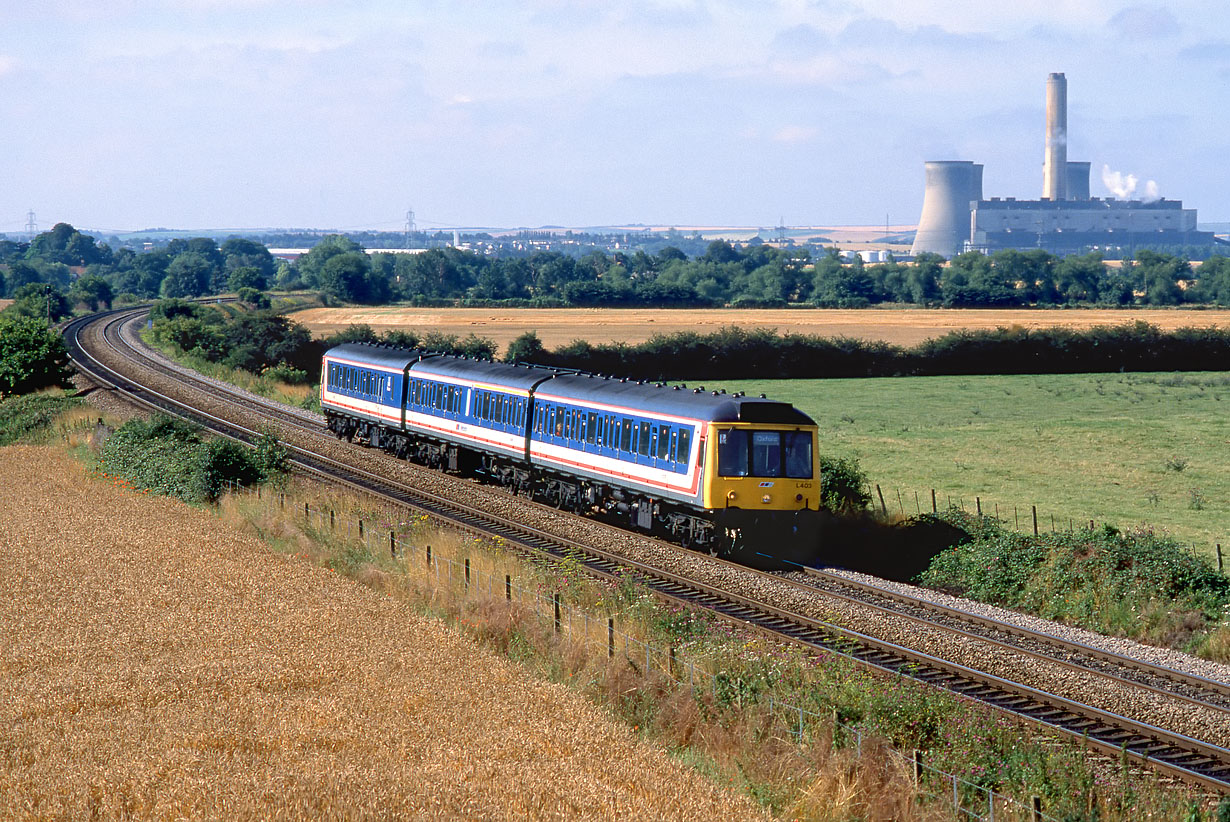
(344, 114)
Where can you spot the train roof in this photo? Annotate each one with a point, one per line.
(673, 399)
(383, 356)
(677, 400)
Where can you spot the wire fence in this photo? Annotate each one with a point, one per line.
(1024, 518)
(603, 634)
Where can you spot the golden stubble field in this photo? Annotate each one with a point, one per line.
(158, 663)
(901, 326)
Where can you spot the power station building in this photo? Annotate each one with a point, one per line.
(1066, 220)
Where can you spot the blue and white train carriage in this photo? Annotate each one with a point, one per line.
(698, 466)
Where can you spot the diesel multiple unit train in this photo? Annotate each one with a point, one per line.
(708, 470)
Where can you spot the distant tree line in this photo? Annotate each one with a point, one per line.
(736, 353)
(63, 268)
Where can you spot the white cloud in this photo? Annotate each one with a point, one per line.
(795, 134)
(7, 64)
(1144, 23)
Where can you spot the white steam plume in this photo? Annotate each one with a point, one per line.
(1123, 186)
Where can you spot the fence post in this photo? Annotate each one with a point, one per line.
(332, 525)
(467, 573)
(934, 508)
(392, 545)
(917, 757)
(428, 556)
(1035, 509)
(1219, 560)
(360, 529)
(900, 504)
(1036, 810)
(978, 503)
(307, 513)
(610, 637)
(916, 504)
(555, 598)
(508, 587)
(883, 507)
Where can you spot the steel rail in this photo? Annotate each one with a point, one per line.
(913, 601)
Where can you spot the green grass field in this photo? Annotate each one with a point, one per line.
(1124, 449)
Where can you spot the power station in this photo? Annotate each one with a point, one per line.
(1066, 220)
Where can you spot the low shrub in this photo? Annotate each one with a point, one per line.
(170, 457)
(1139, 584)
(24, 417)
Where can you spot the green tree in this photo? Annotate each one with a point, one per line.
(1079, 278)
(1213, 284)
(91, 291)
(344, 276)
(188, 275)
(311, 265)
(32, 356)
(241, 253)
(40, 301)
(246, 277)
(924, 278)
(65, 244)
(525, 348)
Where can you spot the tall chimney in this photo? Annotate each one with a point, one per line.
(1055, 163)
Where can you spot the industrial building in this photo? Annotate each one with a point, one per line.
(1066, 220)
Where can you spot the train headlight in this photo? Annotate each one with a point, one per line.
(766, 499)
(731, 495)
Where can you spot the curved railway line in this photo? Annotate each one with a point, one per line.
(1126, 706)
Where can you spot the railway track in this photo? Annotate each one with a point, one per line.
(106, 352)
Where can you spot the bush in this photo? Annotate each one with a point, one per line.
(169, 457)
(843, 485)
(1138, 584)
(32, 356)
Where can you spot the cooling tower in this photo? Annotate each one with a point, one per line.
(944, 225)
(1078, 181)
(1055, 162)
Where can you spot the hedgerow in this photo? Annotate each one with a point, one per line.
(737, 353)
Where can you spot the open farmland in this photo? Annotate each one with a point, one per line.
(1123, 449)
(157, 663)
(901, 326)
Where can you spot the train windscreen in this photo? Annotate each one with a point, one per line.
(743, 453)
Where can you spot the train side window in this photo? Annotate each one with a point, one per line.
(732, 453)
(644, 444)
(591, 427)
(557, 422)
(568, 424)
(625, 436)
(684, 448)
(664, 442)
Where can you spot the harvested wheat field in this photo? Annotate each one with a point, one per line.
(158, 663)
(901, 326)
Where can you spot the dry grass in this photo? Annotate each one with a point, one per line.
(901, 326)
(158, 664)
(752, 750)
